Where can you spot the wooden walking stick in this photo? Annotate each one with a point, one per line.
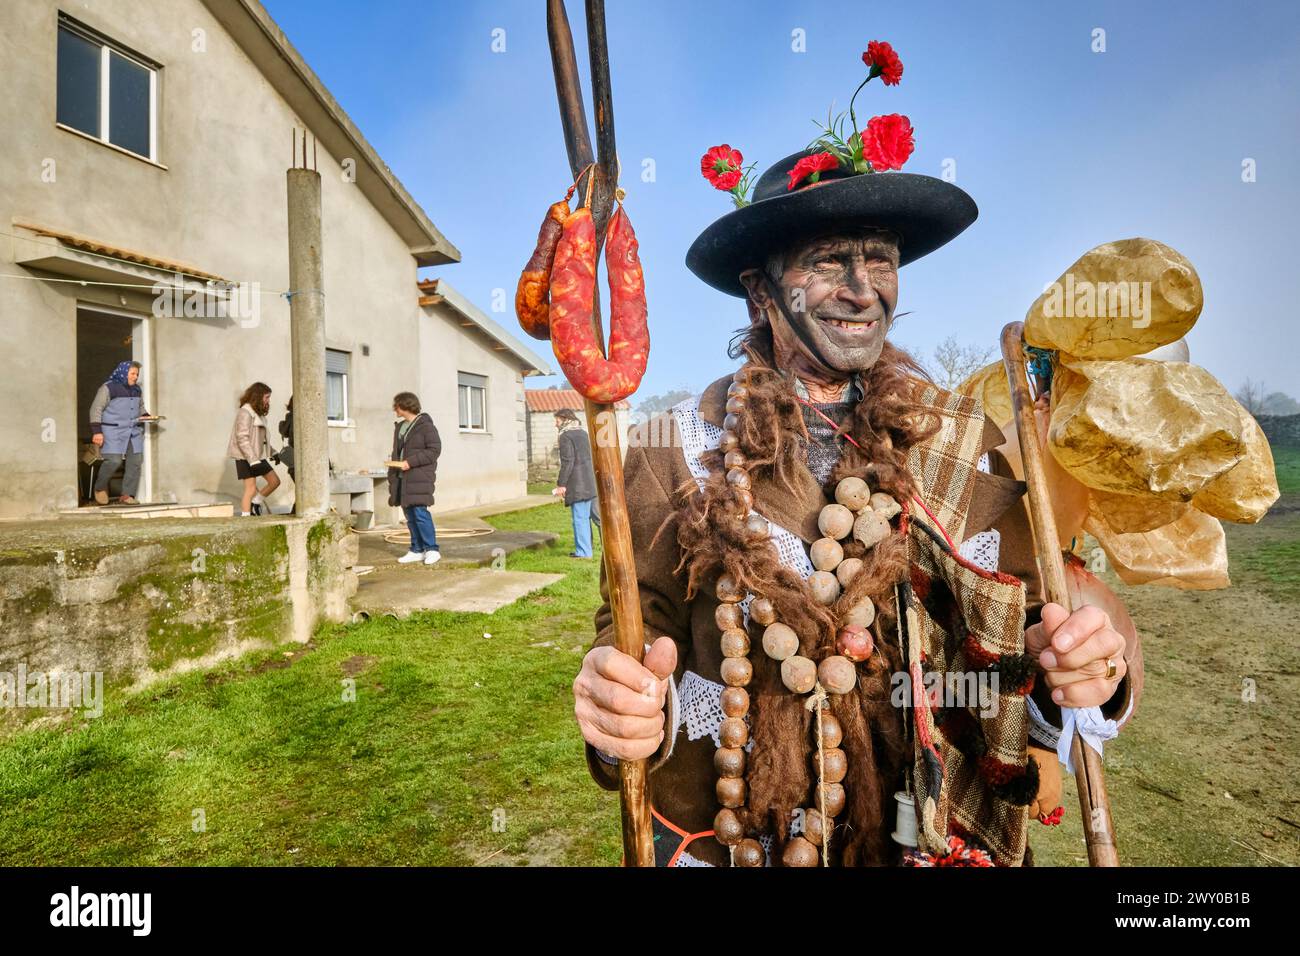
(1089, 780)
(616, 534)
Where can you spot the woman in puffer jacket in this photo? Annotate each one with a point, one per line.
(251, 449)
(412, 474)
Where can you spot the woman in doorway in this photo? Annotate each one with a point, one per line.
(412, 473)
(251, 449)
(117, 417)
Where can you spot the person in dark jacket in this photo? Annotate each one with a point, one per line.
(117, 417)
(285, 455)
(577, 481)
(412, 473)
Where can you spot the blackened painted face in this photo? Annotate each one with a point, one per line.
(836, 300)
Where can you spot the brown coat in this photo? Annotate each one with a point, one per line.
(682, 781)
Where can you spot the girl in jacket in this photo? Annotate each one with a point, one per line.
(117, 415)
(412, 473)
(250, 447)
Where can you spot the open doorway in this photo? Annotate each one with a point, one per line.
(105, 338)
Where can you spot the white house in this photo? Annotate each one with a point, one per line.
(143, 216)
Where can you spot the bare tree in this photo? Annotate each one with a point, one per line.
(954, 362)
(1251, 396)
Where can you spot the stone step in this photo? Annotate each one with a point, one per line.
(208, 509)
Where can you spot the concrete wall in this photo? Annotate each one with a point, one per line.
(138, 600)
(219, 205)
(475, 467)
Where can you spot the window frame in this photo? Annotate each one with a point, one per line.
(108, 47)
(467, 390)
(346, 420)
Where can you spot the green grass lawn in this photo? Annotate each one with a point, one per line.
(1287, 462)
(1272, 561)
(460, 748)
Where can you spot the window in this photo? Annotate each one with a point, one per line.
(106, 92)
(336, 384)
(473, 402)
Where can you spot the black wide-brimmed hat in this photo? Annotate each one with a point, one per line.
(924, 211)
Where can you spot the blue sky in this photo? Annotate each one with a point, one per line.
(1061, 147)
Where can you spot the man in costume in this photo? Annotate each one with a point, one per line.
(817, 534)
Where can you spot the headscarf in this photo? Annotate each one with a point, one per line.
(121, 373)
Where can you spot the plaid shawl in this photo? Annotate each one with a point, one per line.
(965, 628)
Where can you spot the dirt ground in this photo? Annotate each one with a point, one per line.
(1204, 775)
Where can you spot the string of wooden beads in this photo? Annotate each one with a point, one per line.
(733, 734)
(858, 514)
(832, 767)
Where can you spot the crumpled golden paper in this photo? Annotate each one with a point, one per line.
(1131, 514)
(1161, 447)
(1120, 299)
(1245, 492)
(990, 386)
(1190, 553)
(1138, 427)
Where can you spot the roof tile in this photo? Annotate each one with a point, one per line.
(553, 399)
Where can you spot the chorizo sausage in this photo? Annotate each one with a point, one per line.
(629, 348)
(573, 281)
(533, 293)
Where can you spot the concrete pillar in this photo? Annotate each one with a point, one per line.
(307, 328)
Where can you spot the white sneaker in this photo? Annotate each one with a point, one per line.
(410, 557)
(432, 557)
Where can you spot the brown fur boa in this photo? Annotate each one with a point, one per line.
(886, 424)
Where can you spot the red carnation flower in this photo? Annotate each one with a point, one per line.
(811, 166)
(721, 166)
(884, 62)
(887, 141)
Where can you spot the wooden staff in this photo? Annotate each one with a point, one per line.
(607, 458)
(1089, 780)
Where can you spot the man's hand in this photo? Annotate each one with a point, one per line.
(1073, 649)
(97, 439)
(559, 491)
(619, 703)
